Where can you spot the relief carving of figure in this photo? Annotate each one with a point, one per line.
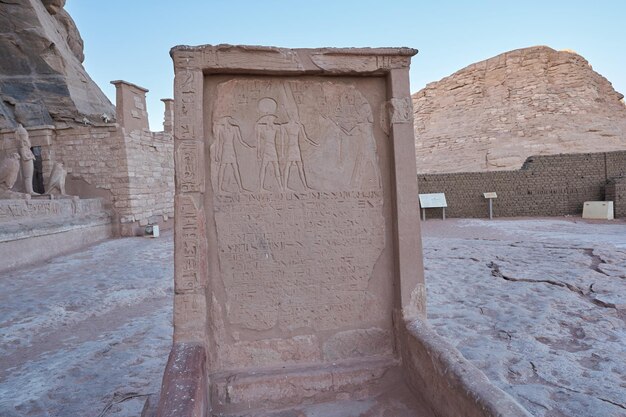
(226, 131)
(269, 139)
(363, 134)
(292, 132)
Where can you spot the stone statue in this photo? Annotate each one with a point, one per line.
(28, 166)
(57, 179)
(9, 167)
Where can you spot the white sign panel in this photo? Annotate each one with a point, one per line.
(434, 200)
(490, 195)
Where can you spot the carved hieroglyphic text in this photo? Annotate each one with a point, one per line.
(299, 260)
(189, 316)
(188, 272)
(188, 166)
(188, 87)
(10, 209)
(298, 204)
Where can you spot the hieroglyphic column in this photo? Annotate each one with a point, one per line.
(190, 260)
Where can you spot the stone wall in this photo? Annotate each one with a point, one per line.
(133, 171)
(95, 158)
(150, 157)
(555, 185)
(129, 166)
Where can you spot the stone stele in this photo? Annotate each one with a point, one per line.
(297, 235)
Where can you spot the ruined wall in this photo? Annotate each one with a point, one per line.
(150, 157)
(555, 185)
(95, 155)
(44, 86)
(133, 171)
(494, 114)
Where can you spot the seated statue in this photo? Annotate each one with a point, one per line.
(57, 179)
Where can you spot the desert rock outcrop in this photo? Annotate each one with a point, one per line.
(493, 114)
(42, 79)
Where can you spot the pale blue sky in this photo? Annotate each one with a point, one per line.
(130, 39)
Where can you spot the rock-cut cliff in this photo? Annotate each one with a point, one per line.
(42, 79)
(493, 114)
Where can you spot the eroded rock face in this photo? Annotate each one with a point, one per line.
(42, 79)
(493, 114)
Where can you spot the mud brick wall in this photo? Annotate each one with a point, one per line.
(555, 185)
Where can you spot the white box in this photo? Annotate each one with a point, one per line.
(598, 210)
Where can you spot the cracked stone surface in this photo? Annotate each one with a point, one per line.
(87, 334)
(538, 305)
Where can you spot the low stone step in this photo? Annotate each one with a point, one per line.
(372, 388)
(36, 230)
(233, 393)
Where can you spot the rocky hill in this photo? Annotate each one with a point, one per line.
(493, 114)
(42, 79)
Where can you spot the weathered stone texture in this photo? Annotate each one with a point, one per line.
(494, 114)
(297, 237)
(129, 166)
(554, 185)
(41, 75)
(137, 168)
(44, 86)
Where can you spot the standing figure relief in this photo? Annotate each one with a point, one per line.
(361, 131)
(282, 137)
(227, 132)
(269, 141)
(292, 132)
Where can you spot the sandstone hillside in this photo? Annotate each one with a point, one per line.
(493, 114)
(42, 79)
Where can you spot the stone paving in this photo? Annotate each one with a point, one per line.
(87, 334)
(538, 305)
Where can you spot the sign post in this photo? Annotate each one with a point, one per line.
(490, 197)
(433, 200)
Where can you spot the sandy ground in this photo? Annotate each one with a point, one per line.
(538, 305)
